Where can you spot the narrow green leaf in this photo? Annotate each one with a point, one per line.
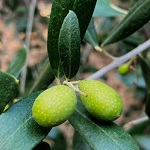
(147, 109)
(57, 136)
(104, 9)
(18, 128)
(145, 65)
(91, 35)
(139, 132)
(69, 45)
(42, 145)
(139, 128)
(146, 74)
(44, 79)
(60, 9)
(134, 20)
(101, 135)
(84, 10)
(79, 143)
(18, 63)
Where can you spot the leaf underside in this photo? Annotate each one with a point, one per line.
(69, 45)
(60, 9)
(104, 9)
(91, 35)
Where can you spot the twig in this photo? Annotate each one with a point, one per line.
(119, 9)
(118, 61)
(27, 42)
(133, 123)
(99, 49)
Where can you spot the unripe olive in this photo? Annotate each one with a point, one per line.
(53, 106)
(123, 69)
(102, 101)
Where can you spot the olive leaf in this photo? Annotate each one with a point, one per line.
(69, 45)
(18, 62)
(60, 9)
(8, 89)
(100, 135)
(146, 71)
(91, 35)
(84, 10)
(79, 142)
(104, 8)
(18, 128)
(147, 109)
(134, 20)
(44, 79)
(139, 132)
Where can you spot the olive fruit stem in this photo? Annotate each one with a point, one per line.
(133, 123)
(70, 84)
(75, 82)
(130, 61)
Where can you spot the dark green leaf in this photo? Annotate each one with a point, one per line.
(42, 146)
(134, 20)
(44, 79)
(139, 128)
(69, 45)
(84, 10)
(104, 9)
(79, 143)
(18, 128)
(147, 109)
(101, 135)
(18, 63)
(140, 132)
(133, 41)
(146, 70)
(58, 138)
(12, 4)
(91, 35)
(146, 74)
(60, 9)
(8, 89)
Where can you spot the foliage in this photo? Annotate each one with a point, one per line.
(70, 22)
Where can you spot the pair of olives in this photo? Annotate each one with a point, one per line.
(54, 106)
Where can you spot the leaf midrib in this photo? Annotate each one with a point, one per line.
(100, 129)
(5, 141)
